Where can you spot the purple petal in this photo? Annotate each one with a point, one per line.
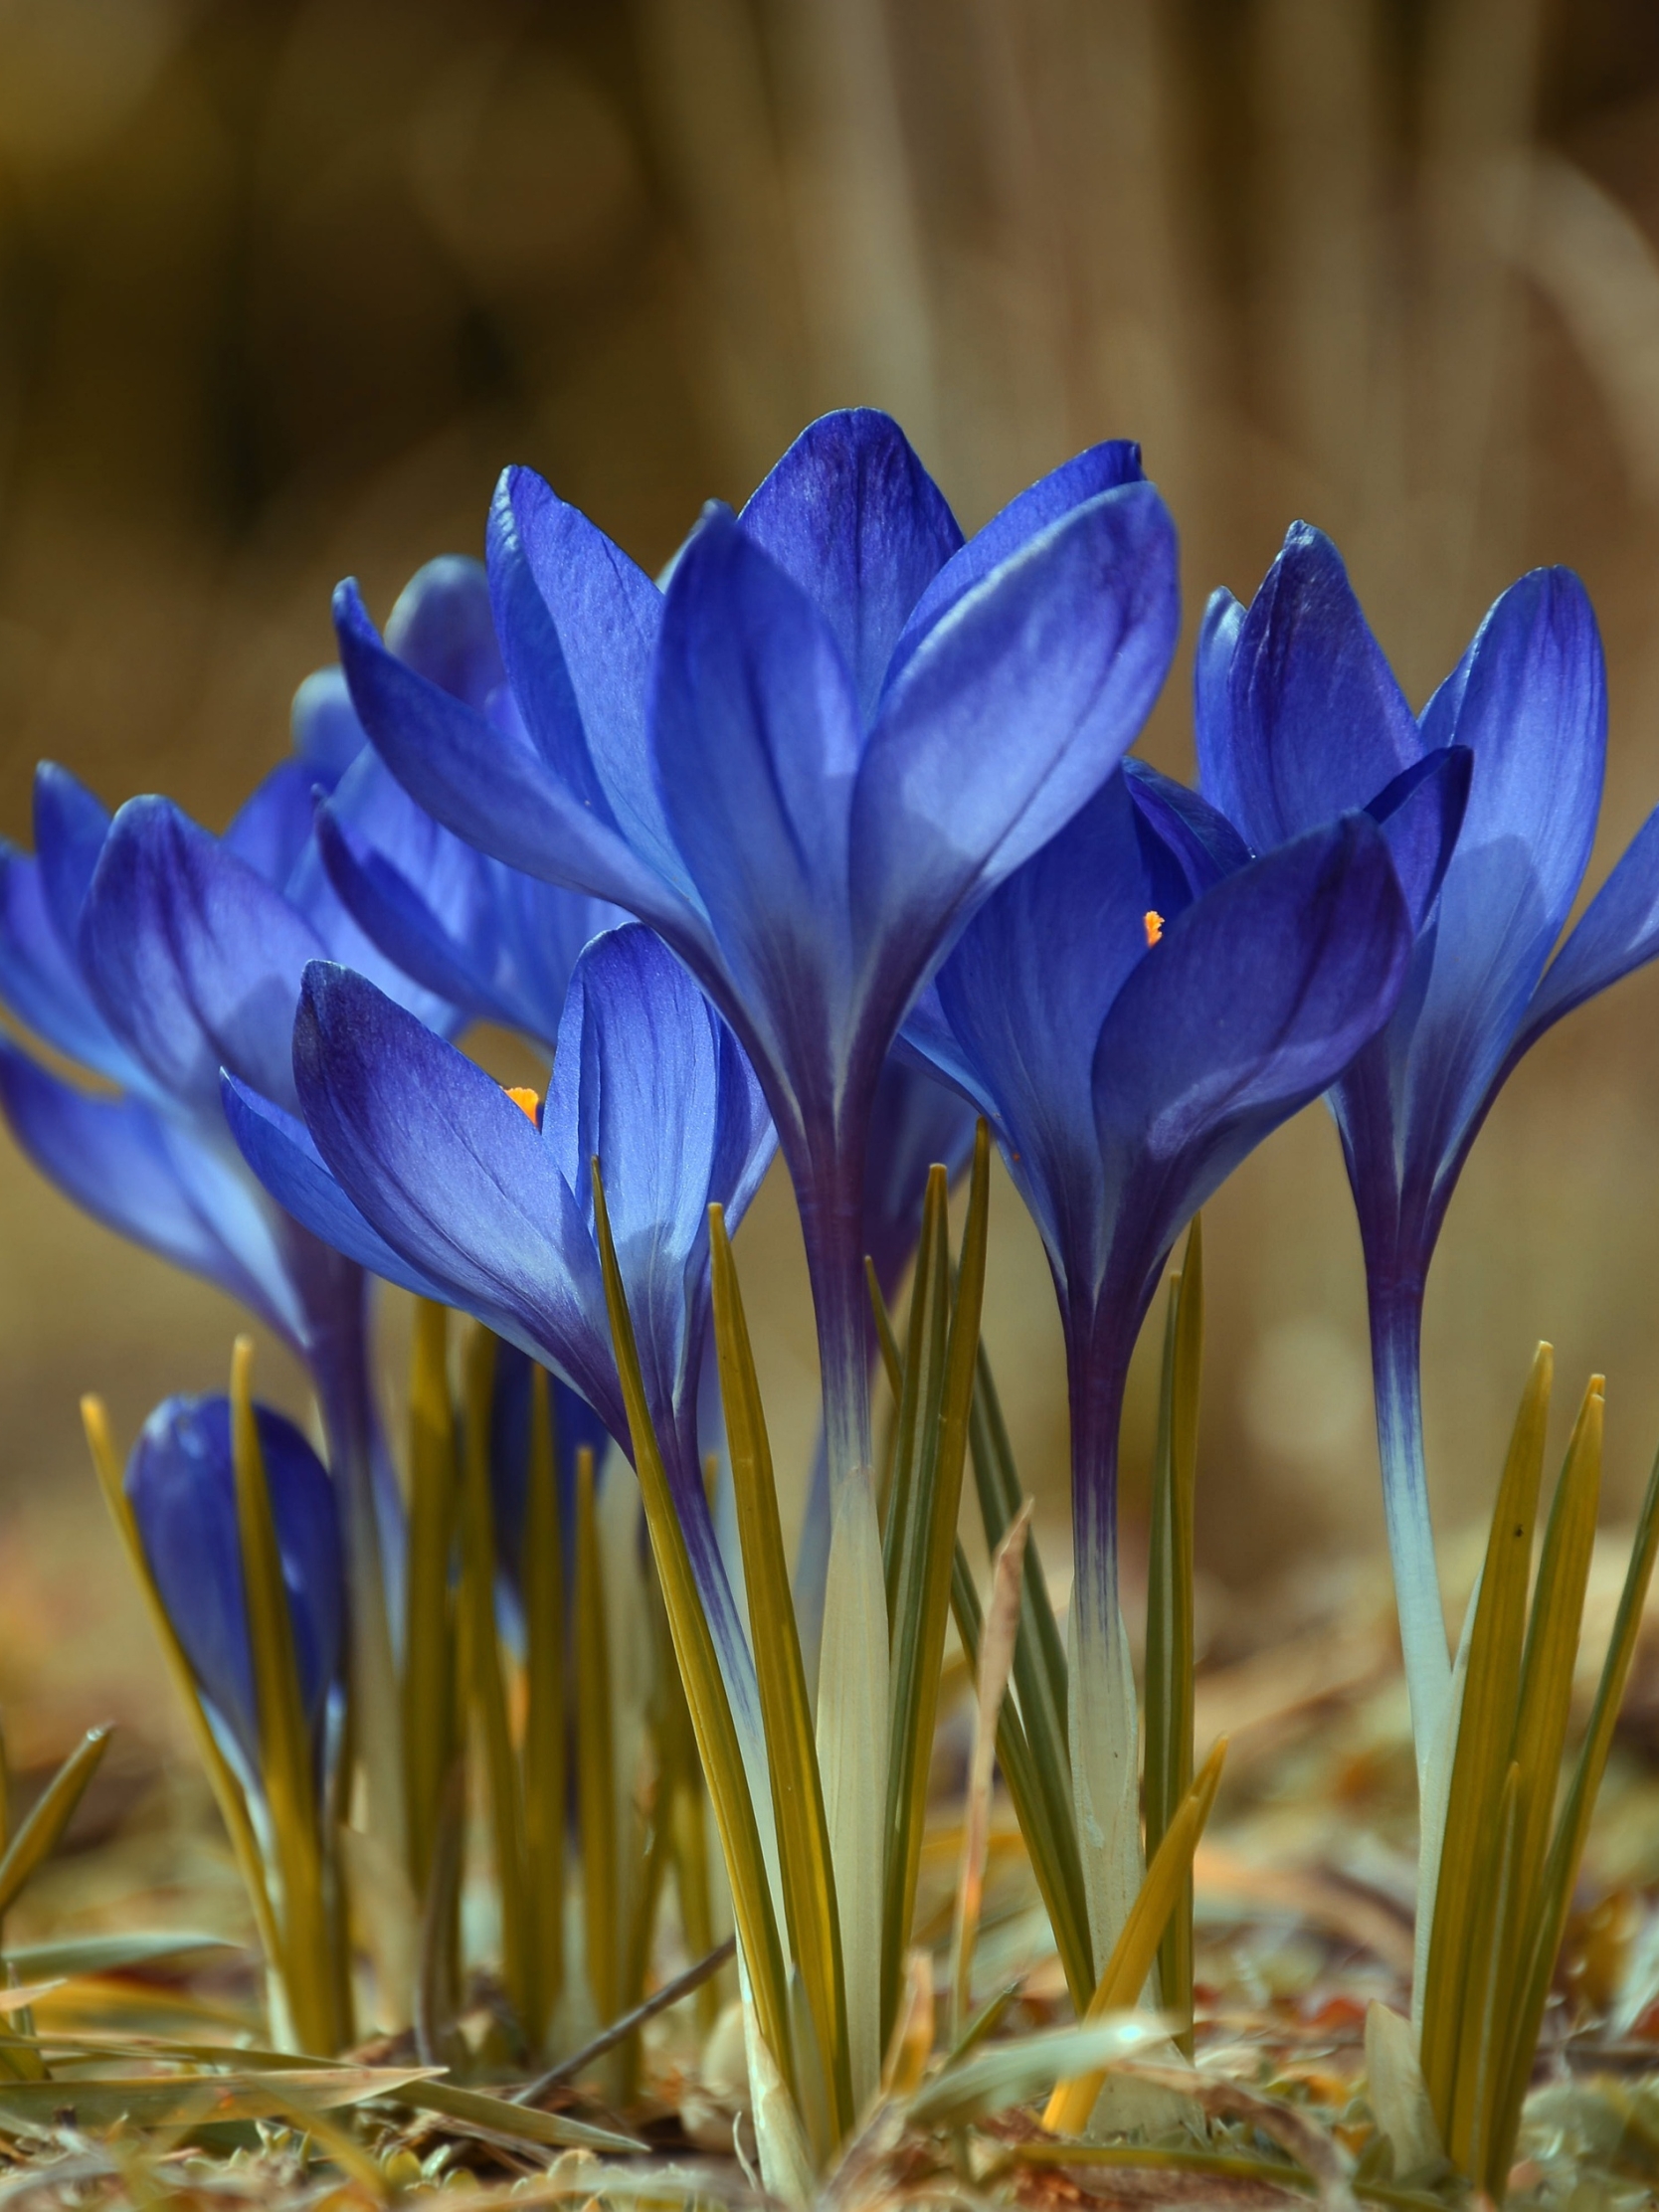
(579, 624)
(1200, 839)
(443, 626)
(1315, 723)
(1086, 476)
(1255, 1000)
(454, 1177)
(182, 1487)
(1011, 713)
(1224, 618)
(1530, 700)
(483, 779)
(854, 519)
(282, 1153)
(757, 741)
(194, 959)
(274, 826)
(326, 734)
(70, 826)
(1617, 932)
(152, 1183)
(41, 981)
(1420, 815)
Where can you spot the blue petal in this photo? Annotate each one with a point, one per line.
(453, 1176)
(326, 734)
(1011, 713)
(579, 624)
(1026, 990)
(1530, 700)
(757, 740)
(1086, 476)
(1420, 814)
(282, 1153)
(1224, 618)
(1255, 1000)
(41, 981)
(147, 1179)
(641, 1050)
(1617, 932)
(483, 778)
(851, 515)
(195, 959)
(272, 827)
(444, 627)
(1315, 723)
(1200, 839)
(182, 1487)
(70, 826)
(917, 1121)
(575, 1426)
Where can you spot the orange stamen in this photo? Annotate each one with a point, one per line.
(1152, 922)
(526, 1100)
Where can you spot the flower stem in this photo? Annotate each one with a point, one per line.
(1397, 1366)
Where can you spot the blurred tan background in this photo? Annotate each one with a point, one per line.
(282, 285)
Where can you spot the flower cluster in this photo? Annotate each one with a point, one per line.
(827, 843)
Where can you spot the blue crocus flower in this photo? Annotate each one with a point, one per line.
(418, 1164)
(182, 1487)
(1490, 800)
(1134, 1011)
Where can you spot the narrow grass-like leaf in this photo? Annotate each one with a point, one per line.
(1484, 2029)
(1051, 1844)
(1168, 1637)
(438, 1958)
(921, 1378)
(1002, 2074)
(1561, 1869)
(227, 1791)
(595, 1779)
(995, 1659)
(481, 1673)
(498, 2116)
(544, 1707)
(1125, 1972)
(1485, 1735)
(1039, 1665)
(312, 1983)
(193, 2099)
(1552, 1650)
(428, 1628)
(810, 1910)
(892, 1360)
(77, 1956)
(925, 1516)
(39, 1836)
(699, 1667)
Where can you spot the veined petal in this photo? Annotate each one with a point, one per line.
(579, 624)
(1028, 987)
(271, 826)
(1011, 713)
(757, 741)
(483, 779)
(181, 1484)
(1224, 618)
(1255, 1000)
(1086, 476)
(851, 515)
(1617, 932)
(194, 959)
(282, 1153)
(1530, 701)
(125, 1164)
(443, 626)
(1420, 814)
(454, 1177)
(71, 824)
(1315, 723)
(41, 981)
(1197, 835)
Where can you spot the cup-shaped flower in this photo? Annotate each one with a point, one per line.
(182, 1487)
(1133, 1016)
(1299, 717)
(805, 762)
(469, 1199)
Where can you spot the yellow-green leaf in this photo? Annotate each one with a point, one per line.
(428, 1628)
